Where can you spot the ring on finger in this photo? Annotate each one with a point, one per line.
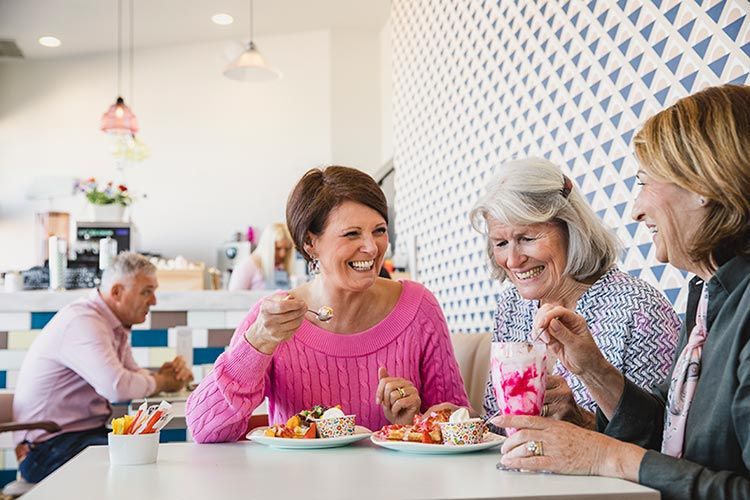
(401, 391)
(545, 410)
(535, 448)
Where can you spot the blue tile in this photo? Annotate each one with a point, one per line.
(206, 355)
(149, 338)
(644, 248)
(672, 294)
(646, 32)
(7, 476)
(173, 436)
(40, 319)
(715, 11)
(701, 47)
(658, 270)
(686, 30)
(671, 14)
(718, 65)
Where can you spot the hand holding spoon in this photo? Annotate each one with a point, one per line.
(325, 313)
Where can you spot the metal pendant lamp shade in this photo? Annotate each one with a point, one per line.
(251, 66)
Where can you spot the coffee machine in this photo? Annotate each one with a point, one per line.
(85, 248)
(231, 253)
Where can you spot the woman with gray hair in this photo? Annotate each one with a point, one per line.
(547, 242)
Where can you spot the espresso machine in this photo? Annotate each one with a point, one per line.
(85, 248)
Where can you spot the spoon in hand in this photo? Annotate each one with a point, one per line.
(538, 336)
(325, 313)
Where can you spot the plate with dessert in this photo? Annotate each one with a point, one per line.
(438, 433)
(318, 427)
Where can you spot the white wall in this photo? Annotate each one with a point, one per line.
(223, 154)
(355, 99)
(386, 92)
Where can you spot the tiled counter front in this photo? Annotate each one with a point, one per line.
(212, 315)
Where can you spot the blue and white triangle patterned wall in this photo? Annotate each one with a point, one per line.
(480, 82)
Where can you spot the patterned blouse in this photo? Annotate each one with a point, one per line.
(633, 324)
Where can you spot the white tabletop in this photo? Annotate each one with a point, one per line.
(249, 470)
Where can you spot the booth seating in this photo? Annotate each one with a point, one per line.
(473, 355)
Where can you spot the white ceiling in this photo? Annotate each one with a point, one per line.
(88, 26)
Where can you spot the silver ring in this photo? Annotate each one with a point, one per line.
(545, 410)
(401, 391)
(535, 448)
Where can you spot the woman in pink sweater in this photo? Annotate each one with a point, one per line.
(384, 356)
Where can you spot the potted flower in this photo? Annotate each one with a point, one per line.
(107, 202)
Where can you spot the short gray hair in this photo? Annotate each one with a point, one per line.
(124, 266)
(530, 191)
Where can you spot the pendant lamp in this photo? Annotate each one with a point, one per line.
(250, 66)
(119, 119)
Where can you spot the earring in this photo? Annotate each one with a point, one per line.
(313, 267)
(702, 201)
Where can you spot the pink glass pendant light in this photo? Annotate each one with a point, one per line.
(119, 118)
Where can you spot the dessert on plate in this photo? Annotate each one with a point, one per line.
(424, 429)
(318, 422)
(442, 427)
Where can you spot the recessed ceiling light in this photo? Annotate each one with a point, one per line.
(222, 19)
(49, 41)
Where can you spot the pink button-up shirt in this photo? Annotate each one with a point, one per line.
(80, 362)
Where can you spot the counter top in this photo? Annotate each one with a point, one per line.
(204, 300)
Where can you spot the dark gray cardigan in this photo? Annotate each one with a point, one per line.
(716, 454)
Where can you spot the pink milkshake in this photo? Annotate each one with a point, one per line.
(519, 377)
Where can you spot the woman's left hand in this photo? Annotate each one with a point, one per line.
(561, 405)
(398, 397)
(566, 449)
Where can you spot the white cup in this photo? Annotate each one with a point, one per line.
(133, 449)
(13, 281)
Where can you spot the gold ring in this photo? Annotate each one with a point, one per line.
(535, 448)
(545, 410)
(401, 391)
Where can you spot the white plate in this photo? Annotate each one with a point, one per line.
(490, 440)
(359, 434)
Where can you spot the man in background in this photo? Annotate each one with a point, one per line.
(81, 361)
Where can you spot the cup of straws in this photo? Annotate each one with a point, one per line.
(134, 439)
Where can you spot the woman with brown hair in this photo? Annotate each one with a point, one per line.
(385, 355)
(690, 436)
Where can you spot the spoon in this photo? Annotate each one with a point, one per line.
(325, 313)
(538, 336)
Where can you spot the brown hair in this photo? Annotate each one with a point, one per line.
(321, 190)
(702, 144)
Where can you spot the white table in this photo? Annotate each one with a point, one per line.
(362, 471)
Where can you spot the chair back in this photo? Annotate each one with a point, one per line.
(472, 352)
(6, 406)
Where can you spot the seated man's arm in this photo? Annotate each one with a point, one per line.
(169, 378)
(88, 349)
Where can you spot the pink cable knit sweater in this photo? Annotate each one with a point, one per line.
(319, 367)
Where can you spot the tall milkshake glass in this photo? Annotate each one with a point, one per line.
(519, 377)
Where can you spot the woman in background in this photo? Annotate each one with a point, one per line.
(270, 264)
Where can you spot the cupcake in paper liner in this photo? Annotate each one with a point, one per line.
(461, 429)
(333, 423)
